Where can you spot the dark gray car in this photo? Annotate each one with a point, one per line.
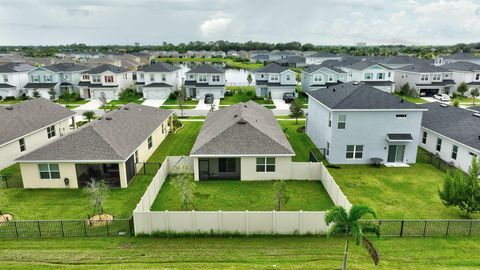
(209, 98)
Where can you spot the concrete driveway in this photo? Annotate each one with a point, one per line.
(92, 105)
(154, 102)
(202, 106)
(280, 104)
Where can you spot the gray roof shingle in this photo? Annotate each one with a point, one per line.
(66, 67)
(461, 55)
(106, 67)
(40, 85)
(242, 129)
(364, 65)
(15, 67)
(206, 68)
(453, 122)
(29, 116)
(462, 66)
(313, 68)
(159, 67)
(355, 95)
(113, 137)
(423, 68)
(271, 68)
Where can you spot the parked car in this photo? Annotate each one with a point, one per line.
(442, 97)
(288, 97)
(209, 98)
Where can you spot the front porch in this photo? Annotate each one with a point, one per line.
(221, 168)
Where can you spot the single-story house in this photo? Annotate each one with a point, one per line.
(242, 142)
(451, 133)
(112, 148)
(29, 125)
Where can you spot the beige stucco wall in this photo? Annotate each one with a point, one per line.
(31, 176)
(249, 171)
(11, 151)
(157, 138)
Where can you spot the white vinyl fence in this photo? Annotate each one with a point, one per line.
(243, 222)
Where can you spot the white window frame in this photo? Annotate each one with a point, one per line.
(438, 146)
(274, 77)
(22, 145)
(215, 78)
(265, 164)
(354, 152)
(96, 78)
(109, 76)
(342, 121)
(50, 170)
(5, 78)
(436, 77)
(51, 132)
(424, 77)
(368, 76)
(330, 77)
(164, 77)
(424, 137)
(454, 154)
(150, 142)
(318, 78)
(327, 153)
(135, 156)
(152, 77)
(202, 78)
(477, 77)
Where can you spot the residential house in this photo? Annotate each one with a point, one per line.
(320, 57)
(11, 58)
(29, 125)
(457, 57)
(316, 77)
(259, 58)
(112, 148)
(374, 74)
(13, 78)
(398, 61)
(277, 55)
(205, 79)
(451, 133)
(292, 61)
(143, 57)
(428, 80)
(69, 75)
(41, 80)
(241, 142)
(355, 123)
(158, 80)
(105, 80)
(464, 72)
(274, 80)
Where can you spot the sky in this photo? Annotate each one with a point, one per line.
(321, 22)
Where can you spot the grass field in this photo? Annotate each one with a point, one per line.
(300, 142)
(174, 102)
(308, 252)
(416, 100)
(245, 195)
(396, 193)
(75, 203)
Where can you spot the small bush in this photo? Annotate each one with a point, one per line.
(250, 93)
(129, 95)
(301, 129)
(173, 95)
(228, 93)
(71, 96)
(9, 98)
(455, 102)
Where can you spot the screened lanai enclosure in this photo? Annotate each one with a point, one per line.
(223, 168)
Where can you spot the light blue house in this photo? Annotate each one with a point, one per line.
(355, 123)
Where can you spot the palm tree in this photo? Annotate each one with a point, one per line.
(89, 115)
(349, 225)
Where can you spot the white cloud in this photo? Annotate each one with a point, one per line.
(215, 26)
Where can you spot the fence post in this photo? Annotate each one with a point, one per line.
(144, 168)
(470, 229)
(425, 228)
(448, 227)
(16, 229)
(131, 226)
(39, 230)
(85, 227)
(401, 228)
(246, 222)
(108, 230)
(61, 225)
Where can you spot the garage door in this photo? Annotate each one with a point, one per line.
(279, 93)
(155, 94)
(109, 94)
(428, 92)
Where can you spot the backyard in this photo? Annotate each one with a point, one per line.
(396, 193)
(300, 142)
(27, 204)
(245, 195)
(274, 252)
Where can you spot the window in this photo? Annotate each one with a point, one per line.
(96, 78)
(215, 78)
(109, 79)
(288, 77)
(65, 76)
(36, 78)
(142, 76)
(227, 165)
(446, 75)
(477, 76)
(22, 145)
(328, 149)
(47, 78)
(135, 156)
(437, 77)
(380, 76)
(330, 120)
(342, 121)
(265, 164)
(164, 77)
(354, 152)
(5, 78)
(150, 142)
(191, 76)
(389, 74)
(424, 77)
(341, 77)
(262, 76)
(49, 171)
(439, 144)
(424, 138)
(51, 131)
(318, 78)
(125, 76)
(86, 77)
(401, 116)
(152, 77)
(163, 130)
(330, 78)
(454, 152)
(202, 78)
(274, 77)
(368, 76)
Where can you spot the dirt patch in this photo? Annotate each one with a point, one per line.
(99, 220)
(6, 217)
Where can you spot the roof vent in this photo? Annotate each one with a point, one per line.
(333, 89)
(9, 108)
(241, 121)
(235, 116)
(443, 105)
(126, 108)
(108, 118)
(476, 114)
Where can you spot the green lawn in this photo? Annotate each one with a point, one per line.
(6, 102)
(416, 100)
(174, 102)
(76, 102)
(180, 143)
(75, 203)
(300, 142)
(275, 252)
(229, 62)
(396, 193)
(68, 106)
(245, 195)
(468, 101)
(13, 176)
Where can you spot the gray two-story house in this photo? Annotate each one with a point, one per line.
(274, 80)
(355, 123)
(13, 77)
(158, 80)
(205, 79)
(427, 79)
(316, 77)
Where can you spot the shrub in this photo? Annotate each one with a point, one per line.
(228, 93)
(9, 98)
(71, 96)
(455, 102)
(129, 95)
(250, 93)
(173, 95)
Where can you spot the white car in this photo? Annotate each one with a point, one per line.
(442, 97)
